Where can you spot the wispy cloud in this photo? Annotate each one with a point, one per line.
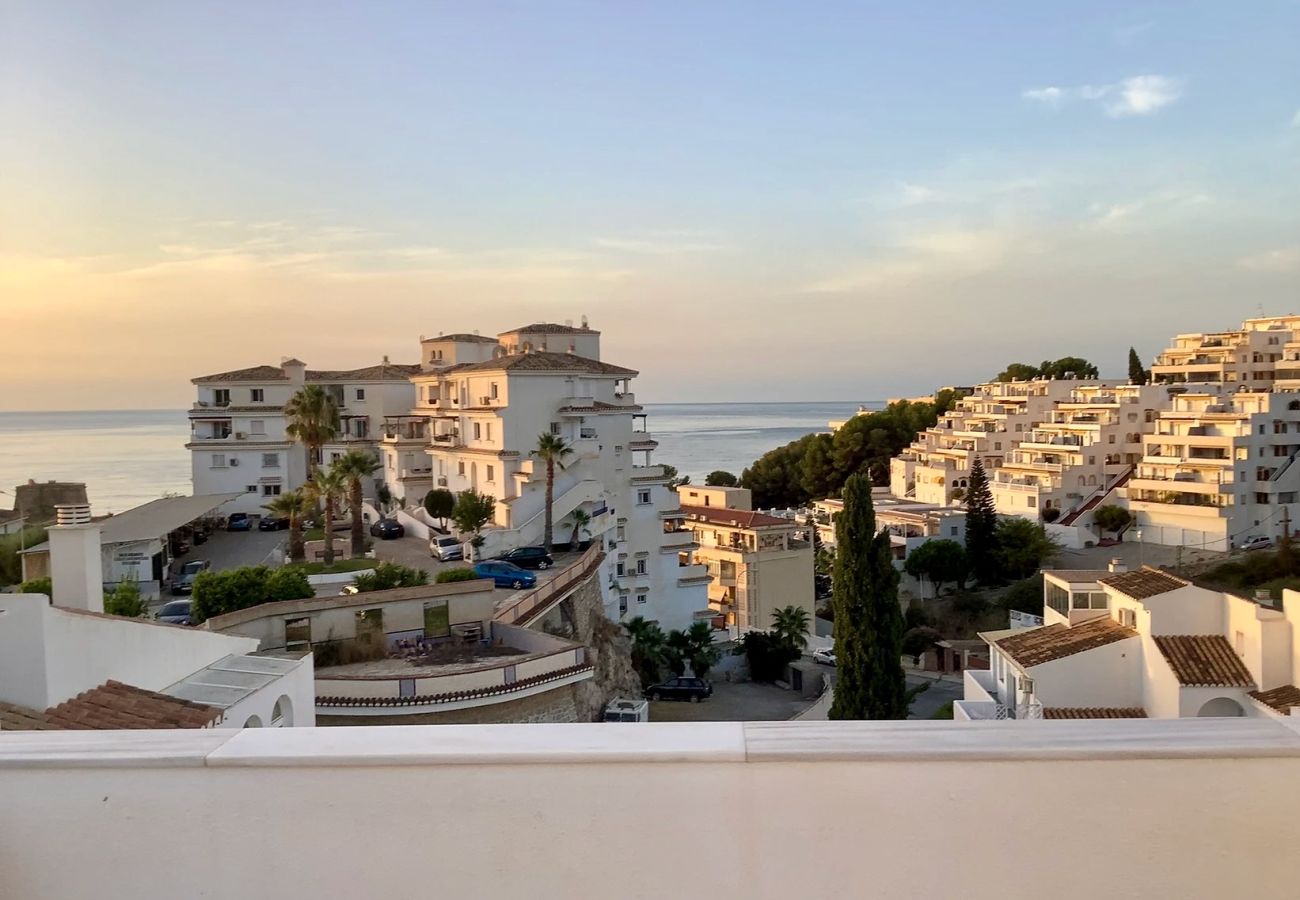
(929, 255)
(1282, 259)
(1124, 215)
(1140, 95)
(663, 243)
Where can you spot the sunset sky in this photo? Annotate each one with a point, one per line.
(753, 201)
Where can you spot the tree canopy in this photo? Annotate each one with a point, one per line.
(981, 526)
(940, 561)
(817, 465)
(1065, 368)
(1136, 373)
(721, 478)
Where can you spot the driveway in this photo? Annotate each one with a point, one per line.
(413, 552)
(924, 704)
(233, 549)
(744, 701)
(1133, 554)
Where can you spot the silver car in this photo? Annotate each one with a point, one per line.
(446, 548)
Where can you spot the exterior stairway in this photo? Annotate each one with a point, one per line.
(1095, 500)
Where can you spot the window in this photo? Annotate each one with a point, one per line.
(257, 395)
(433, 394)
(619, 569)
(642, 596)
(478, 431)
(1031, 501)
(257, 426)
(491, 473)
(487, 431)
(643, 497)
(270, 490)
(618, 449)
(460, 468)
(221, 397)
(270, 460)
(218, 460)
(555, 428)
(640, 566)
(493, 392)
(297, 632)
(952, 530)
(997, 445)
(250, 488)
(361, 393)
(1239, 643)
(335, 455)
(621, 533)
(437, 619)
(622, 604)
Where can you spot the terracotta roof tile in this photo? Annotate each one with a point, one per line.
(1094, 712)
(454, 696)
(732, 518)
(111, 706)
(1035, 646)
(550, 328)
(1145, 582)
(462, 339)
(542, 361)
(1279, 698)
(381, 372)
(254, 373)
(1204, 660)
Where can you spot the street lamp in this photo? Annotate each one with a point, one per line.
(1138, 533)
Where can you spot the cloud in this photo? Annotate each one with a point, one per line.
(1283, 259)
(1121, 216)
(663, 243)
(942, 255)
(1140, 95)
(918, 194)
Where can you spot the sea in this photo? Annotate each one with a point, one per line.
(129, 457)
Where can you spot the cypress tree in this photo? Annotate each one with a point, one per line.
(1136, 374)
(868, 621)
(981, 526)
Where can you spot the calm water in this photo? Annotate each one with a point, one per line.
(127, 458)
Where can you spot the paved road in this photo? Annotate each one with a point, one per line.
(413, 552)
(744, 701)
(926, 703)
(232, 549)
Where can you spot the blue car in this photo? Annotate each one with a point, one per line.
(504, 574)
(239, 522)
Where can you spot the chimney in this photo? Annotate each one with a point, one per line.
(1116, 565)
(76, 566)
(584, 321)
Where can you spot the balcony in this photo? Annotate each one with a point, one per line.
(869, 789)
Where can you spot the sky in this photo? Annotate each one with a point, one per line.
(752, 201)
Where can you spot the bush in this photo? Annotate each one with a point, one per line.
(125, 600)
(11, 566)
(915, 616)
(1025, 595)
(216, 593)
(389, 575)
(447, 576)
(37, 586)
(1051, 514)
(917, 640)
(768, 655)
(970, 606)
(721, 478)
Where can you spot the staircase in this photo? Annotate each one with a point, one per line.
(1095, 500)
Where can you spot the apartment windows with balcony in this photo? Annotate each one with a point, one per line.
(257, 395)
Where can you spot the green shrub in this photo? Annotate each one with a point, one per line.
(767, 653)
(125, 600)
(289, 583)
(917, 640)
(390, 575)
(1025, 595)
(37, 586)
(915, 616)
(458, 574)
(216, 593)
(11, 565)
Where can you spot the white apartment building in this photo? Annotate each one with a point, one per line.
(1219, 470)
(1246, 358)
(483, 404)
(238, 442)
(1085, 446)
(988, 423)
(1141, 644)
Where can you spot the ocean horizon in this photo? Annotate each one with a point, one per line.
(130, 456)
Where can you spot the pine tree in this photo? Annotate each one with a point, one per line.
(1136, 374)
(868, 621)
(981, 526)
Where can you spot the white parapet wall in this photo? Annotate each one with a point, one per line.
(1196, 809)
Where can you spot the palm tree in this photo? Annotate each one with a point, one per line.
(292, 505)
(647, 648)
(313, 420)
(354, 466)
(326, 488)
(551, 449)
(702, 654)
(791, 625)
(580, 519)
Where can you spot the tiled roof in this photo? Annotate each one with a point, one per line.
(1078, 576)
(732, 518)
(1204, 660)
(381, 372)
(550, 328)
(112, 705)
(1035, 646)
(1145, 582)
(542, 361)
(598, 406)
(1279, 698)
(255, 373)
(1094, 712)
(462, 339)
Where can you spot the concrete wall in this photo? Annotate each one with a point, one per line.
(296, 691)
(900, 810)
(555, 705)
(1104, 676)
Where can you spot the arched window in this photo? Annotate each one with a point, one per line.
(1222, 707)
(282, 714)
(253, 722)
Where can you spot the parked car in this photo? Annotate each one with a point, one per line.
(177, 612)
(528, 558)
(273, 523)
(446, 548)
(824, 655)
(183, 581)
(692, 689)
(239, 522)
(504, 574)
(200, 536)
(387, 529)
(1257, 543)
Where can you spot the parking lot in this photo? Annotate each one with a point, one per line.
(413, 552)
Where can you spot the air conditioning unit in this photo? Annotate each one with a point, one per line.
(484, 401)
(234, 462)
(442, 481)
(1026, 685)
(239, 435)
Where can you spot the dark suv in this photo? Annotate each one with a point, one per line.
(528, 558)
(692, 689)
